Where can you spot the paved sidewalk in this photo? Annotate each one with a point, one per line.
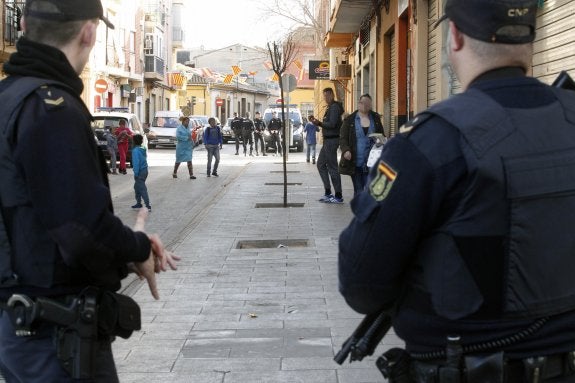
(253, 314)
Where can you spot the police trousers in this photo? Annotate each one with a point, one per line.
(32, 359)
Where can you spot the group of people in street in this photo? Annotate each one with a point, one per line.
(118, 141)
(212, 139)
(247, 131)
(355, 135)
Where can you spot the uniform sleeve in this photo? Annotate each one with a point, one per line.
(405, 194)
(58, 157)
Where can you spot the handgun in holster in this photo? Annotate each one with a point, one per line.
(77, 327)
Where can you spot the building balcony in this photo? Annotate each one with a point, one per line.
(154, 68)
(345, 21)
(177, 37)
(10, 28)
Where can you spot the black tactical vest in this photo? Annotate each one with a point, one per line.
(14, 199)
(521, 168)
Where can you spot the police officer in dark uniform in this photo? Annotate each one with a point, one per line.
(236, 126)
(275, 129)
(464, 231)
(58, 231)
(259, 129)
(248, 134)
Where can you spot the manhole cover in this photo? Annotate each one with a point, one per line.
(271, 243)
(263, 205)
(288, 171)
(281, 183)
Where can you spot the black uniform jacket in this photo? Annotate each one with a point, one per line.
(419, 181)
(68, 237)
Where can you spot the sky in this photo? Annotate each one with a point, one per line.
(220, 23)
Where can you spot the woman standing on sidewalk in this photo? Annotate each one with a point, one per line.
(184, 147)
(355, 143)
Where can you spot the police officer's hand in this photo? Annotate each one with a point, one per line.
(347, 155)
(146, 270)
(163, 258)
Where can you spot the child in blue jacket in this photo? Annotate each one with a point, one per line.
(140, 167)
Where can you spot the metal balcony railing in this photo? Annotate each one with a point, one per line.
(12, 13)
(154, 64)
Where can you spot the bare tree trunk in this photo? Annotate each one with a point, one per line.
(281, 56)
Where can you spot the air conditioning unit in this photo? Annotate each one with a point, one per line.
(343, 71)
(336, 56)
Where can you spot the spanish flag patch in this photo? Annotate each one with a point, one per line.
(381, 185)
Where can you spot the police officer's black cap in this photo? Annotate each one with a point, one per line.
(70, 10)
(494, 21)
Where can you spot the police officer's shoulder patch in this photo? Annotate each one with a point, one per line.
(416, 121)
(383, 181)
(53, 98)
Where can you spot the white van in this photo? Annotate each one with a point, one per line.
(164, 127)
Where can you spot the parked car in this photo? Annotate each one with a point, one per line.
(164, 127)
(295, 124)
(197, 129)
(110, 117)
(227, 133)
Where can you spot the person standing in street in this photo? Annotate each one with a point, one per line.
(140, 168)
(184, 147)
(327, 160)
(260, 128)
(237, 125)
(124, 135)
(62, 248)
(452, 237)
(275, 128)
(355, 143)
(111, 147)
(248, 134)
(310, 131)
(213, 140)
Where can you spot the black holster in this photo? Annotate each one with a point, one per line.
(394, 364)
(81, 321)
(119, 315)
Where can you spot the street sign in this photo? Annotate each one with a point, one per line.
(289, 82)
(101, 85)
(219, 102)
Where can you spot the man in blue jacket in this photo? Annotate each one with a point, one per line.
(213, 140)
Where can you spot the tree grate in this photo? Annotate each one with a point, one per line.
(272, 205)
(272, 243)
